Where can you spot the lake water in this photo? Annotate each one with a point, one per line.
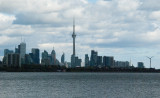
(79, 85)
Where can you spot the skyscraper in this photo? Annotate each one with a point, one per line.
(99, 60)
(86, 60)
(53, 57)
(45, 58)
(93, 60)
(22, 48)
(35, 58)
(63, 58)
(13, 60)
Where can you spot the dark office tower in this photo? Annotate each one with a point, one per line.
(13, 60)
(6, 52)
(63, 58)
(99, 60)
(108, 61)
(86, 60)
(93, 60)
(28, 59)
(77, 62)
(73, 61)
(45, 58)
(22, 51)
(53, 57)
(140, 65)
(44, 54)
(35, 55)
(1, 63)
(17, 50)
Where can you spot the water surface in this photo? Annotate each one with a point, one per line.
(79, 85)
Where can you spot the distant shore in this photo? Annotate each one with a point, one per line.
(56, 68)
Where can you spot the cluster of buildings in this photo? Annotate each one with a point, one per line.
(19, 57)
(104, 61)
(98, 61)
(50, 59)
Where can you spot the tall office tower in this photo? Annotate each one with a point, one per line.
(93, 60)
(63, 58)
(53, 57)
(73, 55)
(22, 50)
(28, 59)
(44, 54)
(45, 58)
(108, 61)
(99, 60)
(86, 60)
(35, 58)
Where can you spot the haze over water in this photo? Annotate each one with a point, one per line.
(79, 85)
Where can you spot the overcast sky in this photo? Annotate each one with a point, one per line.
(125, 29)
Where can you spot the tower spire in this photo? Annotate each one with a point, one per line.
(73, 25)
(73, 36)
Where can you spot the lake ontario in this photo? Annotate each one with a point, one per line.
(79, 85)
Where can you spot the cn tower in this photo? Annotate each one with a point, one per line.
(74, 36)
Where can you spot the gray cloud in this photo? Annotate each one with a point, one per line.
(112, 25)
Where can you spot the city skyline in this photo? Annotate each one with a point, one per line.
(19, 58)
(123, 32)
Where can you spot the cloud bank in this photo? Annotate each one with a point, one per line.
(122, 28)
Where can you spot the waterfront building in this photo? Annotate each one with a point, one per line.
(73, 61)
(122, 64)
(7, 51)
(93, 58)
(53, 57)
(22, 48)
(63, 58)
(13, 60)
(140, 65)
(99, 61)
(45, 58)
(78, 62)
(28, 59)
(108, 61)
(35, 56)
(86, 60)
